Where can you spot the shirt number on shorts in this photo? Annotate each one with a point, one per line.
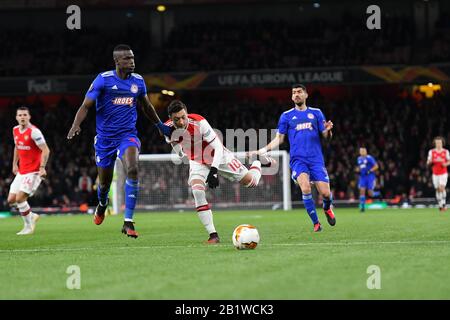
(28, 181)
(234, 165)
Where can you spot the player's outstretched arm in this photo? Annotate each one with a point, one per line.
(79, 117)
(278, 140)
(150, 113)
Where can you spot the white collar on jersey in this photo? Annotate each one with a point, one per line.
(22, 131)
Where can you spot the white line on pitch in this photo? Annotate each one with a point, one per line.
(305, 244)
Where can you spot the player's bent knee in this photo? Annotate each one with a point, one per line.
(132, 172)
(12, 199)
(21, 197)
(198, 191)
(326, 194)
(305, 190)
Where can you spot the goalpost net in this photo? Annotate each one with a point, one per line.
(163, 185)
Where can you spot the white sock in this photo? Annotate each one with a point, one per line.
(203, 208)
(255, 171)
(25, 212)
(443, 198)
(207, 219)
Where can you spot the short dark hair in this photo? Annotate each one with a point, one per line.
(298, 85)
(23, 108)
(439, 138)
(121, 47)
(175, 106)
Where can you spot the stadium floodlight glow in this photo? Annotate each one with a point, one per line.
(316, 5)
(168, 92)
(161, 8)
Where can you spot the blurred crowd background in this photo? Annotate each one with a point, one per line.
(395, 121)
(230, 45)
(397, 132)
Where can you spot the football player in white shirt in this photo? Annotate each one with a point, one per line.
(194, 138)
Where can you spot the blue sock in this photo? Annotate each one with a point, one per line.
(376, 194)
(362, 202)
(327, 202)
(310, 207)
(131, 193)
(102, 195)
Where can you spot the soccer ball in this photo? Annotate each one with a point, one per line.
(245, 237)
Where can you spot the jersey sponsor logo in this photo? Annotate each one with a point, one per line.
(134, 88)
(304, 126)
(310, 116)
(123, 100)
(20, 147)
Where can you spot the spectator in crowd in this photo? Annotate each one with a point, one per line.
(227, 45)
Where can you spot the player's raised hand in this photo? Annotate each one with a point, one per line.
(213, 179)
(328, 125)
(75, 130)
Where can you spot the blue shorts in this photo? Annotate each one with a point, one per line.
(107, 150)
(367, 182)
(315, 170)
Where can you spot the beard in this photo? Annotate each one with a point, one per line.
(299, 102)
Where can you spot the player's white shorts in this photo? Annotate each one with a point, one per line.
(230, 168)
(440, 180)
(27, 183)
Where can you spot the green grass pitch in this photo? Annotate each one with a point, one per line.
(169, 260)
